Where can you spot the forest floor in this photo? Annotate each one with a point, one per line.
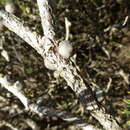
(100, 34)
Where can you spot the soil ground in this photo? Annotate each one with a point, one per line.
(100, 34)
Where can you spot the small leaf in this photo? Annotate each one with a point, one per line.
(125, 111)
(128, 122)
(127, 101)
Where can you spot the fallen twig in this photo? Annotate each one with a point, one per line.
(41, 110)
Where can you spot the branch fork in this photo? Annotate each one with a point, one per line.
(46, 47)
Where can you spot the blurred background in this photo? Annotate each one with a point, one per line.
(100, 34)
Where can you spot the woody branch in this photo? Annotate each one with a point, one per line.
(16, 89)
(46, 47)
(70, 74)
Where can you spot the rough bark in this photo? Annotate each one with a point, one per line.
(47, 48)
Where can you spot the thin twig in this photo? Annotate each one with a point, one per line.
(14, 24)
(67, 28)
(5, 123)
(41, 110)
(32, 124)
(66, 68)
(14, 89)
(47, 18)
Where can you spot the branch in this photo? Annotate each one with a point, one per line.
(70, 73)
(65, 68)
(47, 18)
(15, 25)
(75, 81)
(5, 123)
(41, 110)
(106, 120)
(32, 124)
(14, 89)
(43, 47)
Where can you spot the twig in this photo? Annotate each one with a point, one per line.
(108, 85)
(4, 123)
(32, 124)
(45, 47)
(14, 89)
(14, 24)
(108, 124)
(124, 76)
(66, 68)
(41, 110)
(67, 28)
(47, 18)
(125, 21)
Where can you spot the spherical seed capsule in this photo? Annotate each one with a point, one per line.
(65, 49)
(49, 65)
(10, 7)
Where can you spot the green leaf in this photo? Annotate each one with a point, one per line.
(128, 122)
(125, 111)
(127, 101)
